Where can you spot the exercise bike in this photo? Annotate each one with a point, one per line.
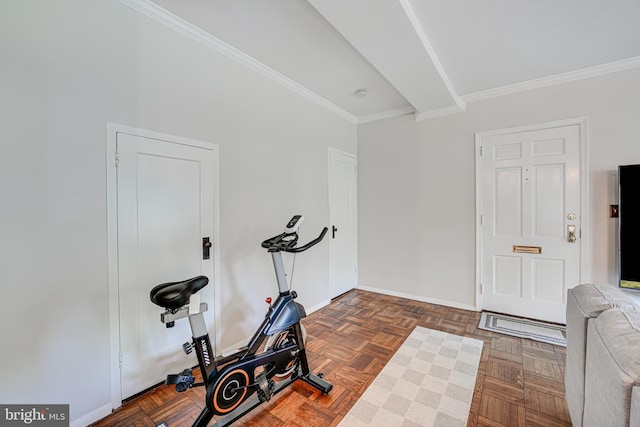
(274, 358)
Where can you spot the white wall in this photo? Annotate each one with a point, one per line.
(70, 66)
(417, 184)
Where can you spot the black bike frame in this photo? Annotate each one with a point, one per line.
(284, 314)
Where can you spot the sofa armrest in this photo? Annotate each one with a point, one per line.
(635, 407)
(584, 302)
(612, 369)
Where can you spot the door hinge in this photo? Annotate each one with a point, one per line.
(481, 150)
(120, 360)
(481, 219)
(482, 288)
(117, 159)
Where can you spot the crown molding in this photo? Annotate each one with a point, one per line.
(432, 114)
(178, 24)
(386, 115)
(598, 70)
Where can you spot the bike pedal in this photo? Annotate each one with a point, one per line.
(187, 348)
(184, 377)
(184, 386)
(265, 388)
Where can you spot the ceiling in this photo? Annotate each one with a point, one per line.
(429, 57)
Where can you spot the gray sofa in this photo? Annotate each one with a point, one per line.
(602, 378)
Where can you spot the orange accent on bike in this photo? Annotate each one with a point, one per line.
(239, 401)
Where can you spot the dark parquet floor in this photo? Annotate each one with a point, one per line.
(519, 383)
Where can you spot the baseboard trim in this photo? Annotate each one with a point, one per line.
(420, 298)
(92, 416)
(318, 306)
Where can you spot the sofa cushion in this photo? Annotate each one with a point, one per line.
(584, 302)
(612, 368)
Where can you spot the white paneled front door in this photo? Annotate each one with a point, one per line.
(530, 221)
(165, 204)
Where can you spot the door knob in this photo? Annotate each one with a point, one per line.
(571, 233)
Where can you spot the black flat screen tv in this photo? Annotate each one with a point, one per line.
(629, 231)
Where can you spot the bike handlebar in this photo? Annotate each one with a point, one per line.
(287, 241)
(311, 243)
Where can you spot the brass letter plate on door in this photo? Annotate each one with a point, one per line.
(527, 249)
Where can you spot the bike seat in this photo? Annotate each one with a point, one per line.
(174, 295)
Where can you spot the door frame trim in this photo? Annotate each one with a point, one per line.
(331, 152)
(585, 222)
(112, 131)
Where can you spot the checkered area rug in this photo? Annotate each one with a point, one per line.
(524, 328)
(428, 382)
